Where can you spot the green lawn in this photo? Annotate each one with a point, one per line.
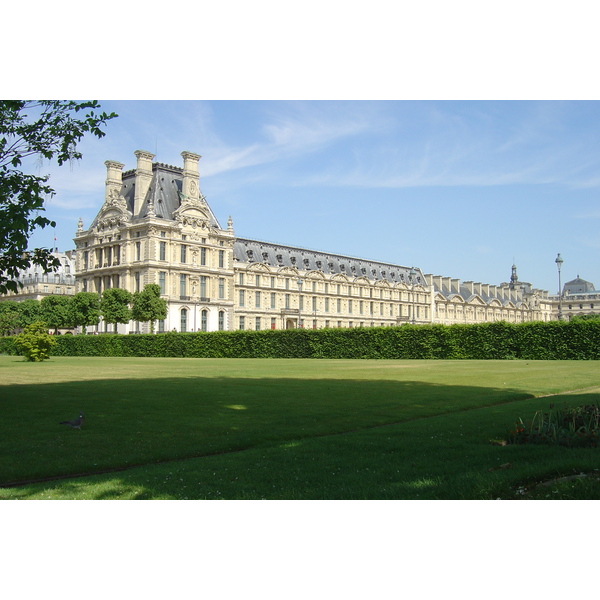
(286, 429)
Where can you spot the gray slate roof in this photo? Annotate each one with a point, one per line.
(276, 255)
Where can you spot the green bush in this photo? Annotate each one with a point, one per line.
(35, 343)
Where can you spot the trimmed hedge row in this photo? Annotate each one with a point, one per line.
(528, 341)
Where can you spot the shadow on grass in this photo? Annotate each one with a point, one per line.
(447, 456)
(132, 422)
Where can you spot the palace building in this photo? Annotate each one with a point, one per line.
(155, 226)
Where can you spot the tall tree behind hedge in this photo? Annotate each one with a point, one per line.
(51, 130)
(85, 309)
(9, 317)
(114, 306)
(56, 312)
(148, 306)
(29, 312)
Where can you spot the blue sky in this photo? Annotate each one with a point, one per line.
(457, 188)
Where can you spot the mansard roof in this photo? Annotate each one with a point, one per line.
(278, 256)
(578, 286)
(163, 195)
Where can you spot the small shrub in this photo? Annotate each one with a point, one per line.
(577, 426)
(35, 342)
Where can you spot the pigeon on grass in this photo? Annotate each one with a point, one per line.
(75, 423)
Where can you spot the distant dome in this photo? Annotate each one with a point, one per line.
(578, 286)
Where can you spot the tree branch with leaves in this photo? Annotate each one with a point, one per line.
(51, 130)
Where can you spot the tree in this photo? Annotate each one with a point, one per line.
(9, 316)
(85, 309)
(48, 129)
(35, 343)
(29, 312)
(56, 311)
(114, 306)
(148, 305)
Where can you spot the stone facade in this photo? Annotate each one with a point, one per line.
(155, 226)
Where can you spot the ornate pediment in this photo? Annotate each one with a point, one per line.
(113, 214)
(192, 212)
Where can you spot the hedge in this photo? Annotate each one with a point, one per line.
(577, 340)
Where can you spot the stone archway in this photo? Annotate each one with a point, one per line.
(290, 324)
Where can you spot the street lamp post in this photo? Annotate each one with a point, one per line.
(411, 277)
(559, 261)
(299, 282)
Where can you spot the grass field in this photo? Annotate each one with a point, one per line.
(287, 429)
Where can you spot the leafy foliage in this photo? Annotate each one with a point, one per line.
(51, 130)
(148, 306)
(85, 309)
(493, 341)
(35, 343)
(114, 306)
(56, 311)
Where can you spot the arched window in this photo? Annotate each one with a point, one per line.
(221, 320)
(204, 320)
(184, 320)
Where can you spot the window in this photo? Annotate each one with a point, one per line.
(272, 299)
(301, 303)
(183, 285)
(257, 299)
(257, 324)
(138, 250)
(203, 256)
(203, 279)
(287, 300)
(204, 320)
(86, 258)
(183, 253)
(327, 305)
(314, 304)
(221, 288)
(241, 279)
(273, 282)
(287, 283)
(162, 281)
(257, 280)
(221, 258)
(221, 320)
(242, 322)
(161, 326)
(136, 277)
(339, 305)
(162, 250)
(183, 327)
(242, 298)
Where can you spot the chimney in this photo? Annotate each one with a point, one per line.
(485, 288)
(114, 180)
(477, 288)
(446, 283)
(191, 177)
(470, 286)
(493, 291)
(143, 177)
(455, 286)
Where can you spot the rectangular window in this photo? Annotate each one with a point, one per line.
(326, 305)
(162, 282)
(339, 305)
(86, 258)
(301, 303)
(162, 250)
(287, 300)
(257, 299)
(241, 279)
(257, 281)
(183, 253)
(350, 306)
(257, 324)
(221, 259)
(314, 304)
(183, 285)
(221, 288)
(221, 320)
(136, 277)
(138, 251)
(242, 298)
(272, 299)
(203, 279)
(203, 256)
(273, 282)
(242, 322)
